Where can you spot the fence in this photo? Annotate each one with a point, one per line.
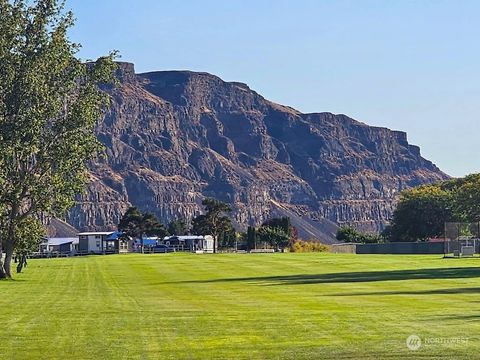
(413, 248)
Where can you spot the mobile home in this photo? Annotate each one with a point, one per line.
(97, 243)
(193, 243)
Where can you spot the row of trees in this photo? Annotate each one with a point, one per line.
(214, 222)
(277, 232)
(421, 212)
(136, 224)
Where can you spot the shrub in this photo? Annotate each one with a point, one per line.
(309, 246)
(351, 235)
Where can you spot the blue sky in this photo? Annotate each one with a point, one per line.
(406, 65)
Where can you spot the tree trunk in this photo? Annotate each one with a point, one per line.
(7, 266)
(8, 242)
(2, 270)
(22, 262)
(19, 267)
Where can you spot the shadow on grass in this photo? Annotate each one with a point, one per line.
(473, 290)
(460, 317)
(353, 277)
(11, 280)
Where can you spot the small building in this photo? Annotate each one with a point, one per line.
(193, 243)
(149, 242)
(98, 243)
(59, 245)
(125, 244)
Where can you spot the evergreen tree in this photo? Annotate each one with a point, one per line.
(213, 222)
(136, 224)
(177, 227)
(251, 238)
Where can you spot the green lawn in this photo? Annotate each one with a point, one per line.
(245, 306)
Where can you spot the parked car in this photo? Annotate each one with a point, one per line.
(163, 249)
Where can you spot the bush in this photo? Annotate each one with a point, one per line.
(275, 237)
(351, 235)
(309, 246)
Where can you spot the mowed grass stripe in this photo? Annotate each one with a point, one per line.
(245, 306)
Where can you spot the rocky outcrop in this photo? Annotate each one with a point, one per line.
(175, 137)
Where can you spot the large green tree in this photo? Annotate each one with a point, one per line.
(274, 236)
(152, 226)
(282, 223)
(131, 222)
(421, 213)
(49, 105)
(177, 227)
(214, 222)
(136, 224)
(466, 198)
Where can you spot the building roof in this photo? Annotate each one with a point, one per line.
(61, 241)
(186, 237)
(115, 235)
(147, 241)
(96, 233)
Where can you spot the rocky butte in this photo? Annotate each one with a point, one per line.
(175, 137)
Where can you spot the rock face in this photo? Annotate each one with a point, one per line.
(175, 137)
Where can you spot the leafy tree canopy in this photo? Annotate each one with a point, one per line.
(465, 202)
(282, 223)
(136, 224)
(274, 236)
(177, 227)
(50, 103)
(214, 222)
(29, 234)
(352, 235)
(421, 212)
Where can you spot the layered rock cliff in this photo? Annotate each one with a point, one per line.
(175, 137)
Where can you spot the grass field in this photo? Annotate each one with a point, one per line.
(245, 306)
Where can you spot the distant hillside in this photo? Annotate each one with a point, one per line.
(175, 137)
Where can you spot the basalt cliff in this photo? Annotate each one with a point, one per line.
(173, 138)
